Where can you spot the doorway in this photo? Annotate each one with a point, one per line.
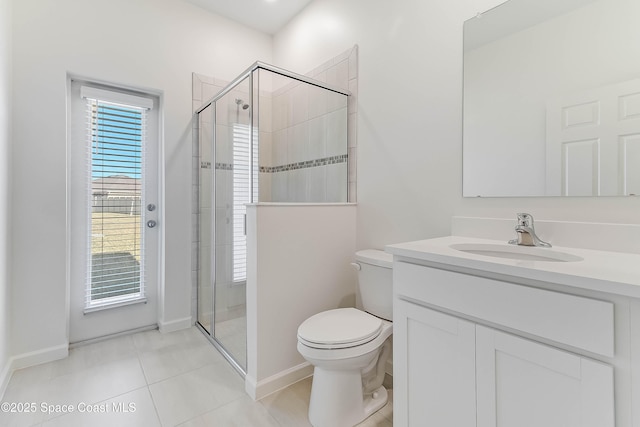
(113, 186)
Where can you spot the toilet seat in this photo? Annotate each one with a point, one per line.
(339, 328)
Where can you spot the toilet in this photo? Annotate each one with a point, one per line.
(349, 348)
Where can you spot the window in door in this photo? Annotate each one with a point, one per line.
(116, 141)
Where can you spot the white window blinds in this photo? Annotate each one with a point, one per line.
(115, 144)
(242, 194)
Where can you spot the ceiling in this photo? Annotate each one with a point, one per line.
(267, 16)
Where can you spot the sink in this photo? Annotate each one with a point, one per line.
(522, 253)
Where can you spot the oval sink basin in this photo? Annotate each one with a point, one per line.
(522, 253)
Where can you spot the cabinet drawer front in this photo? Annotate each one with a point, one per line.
(580, 322)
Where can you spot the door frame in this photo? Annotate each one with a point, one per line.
(155, 299)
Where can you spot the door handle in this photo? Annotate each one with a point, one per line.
(151, 223)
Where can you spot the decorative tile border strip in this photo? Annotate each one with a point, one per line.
(306, 164)
(224, 166)
(342, 158)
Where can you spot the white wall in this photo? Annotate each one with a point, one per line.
(410, 116)
(5, 193)
(154, 44)
(408, 111)
(298, 260)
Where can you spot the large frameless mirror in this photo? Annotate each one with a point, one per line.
(552, 99)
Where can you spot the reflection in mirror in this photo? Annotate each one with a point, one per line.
(552, 99)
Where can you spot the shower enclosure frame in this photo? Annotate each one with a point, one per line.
(253, 128)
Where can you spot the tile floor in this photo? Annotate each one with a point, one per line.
(150, 379)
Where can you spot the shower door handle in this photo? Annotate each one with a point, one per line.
(245, 224)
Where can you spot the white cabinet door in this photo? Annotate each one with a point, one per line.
(434, 368)
(521, 383)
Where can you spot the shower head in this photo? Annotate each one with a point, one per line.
(240, 102)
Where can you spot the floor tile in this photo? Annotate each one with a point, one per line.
(187, 396)
(189, 383)
(96, 354)
(376, 420)
(173, 360)
(21, 417)
(32, 375)
(290, 406)
(387, 410)
(133, 409)
(155, 340)
(95, 384)
(243, 412)
(27, 386)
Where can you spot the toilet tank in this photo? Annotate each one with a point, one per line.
(375, 282)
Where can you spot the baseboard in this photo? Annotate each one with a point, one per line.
(259, 389)
(175, 325)
(39, 357)
(32, 358)
(5, 377)
(111, 336)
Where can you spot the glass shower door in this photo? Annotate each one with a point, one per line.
(205, 210)
(233, 188)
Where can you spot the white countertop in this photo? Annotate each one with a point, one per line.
(611, 272)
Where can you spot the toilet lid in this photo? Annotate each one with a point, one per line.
(339, 328)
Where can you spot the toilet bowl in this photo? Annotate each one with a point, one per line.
(349, 349)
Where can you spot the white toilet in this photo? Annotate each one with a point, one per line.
(349, 348)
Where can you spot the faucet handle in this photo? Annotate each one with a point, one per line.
(525, 220)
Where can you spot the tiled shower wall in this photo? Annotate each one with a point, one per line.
(311, 157)
(342, 71)
(302, 150)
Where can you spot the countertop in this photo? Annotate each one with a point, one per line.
(610, 272)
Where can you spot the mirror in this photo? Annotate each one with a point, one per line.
(552, 99)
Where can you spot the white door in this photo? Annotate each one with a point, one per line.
(434, 368)
(522, 383)
(113, 213)
(593, 142)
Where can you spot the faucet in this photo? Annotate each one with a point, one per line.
(526, 233)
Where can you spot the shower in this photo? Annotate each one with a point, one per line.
(269, 136)
(240, 102)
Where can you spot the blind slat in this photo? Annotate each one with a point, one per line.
(241, 193)
(116, 134)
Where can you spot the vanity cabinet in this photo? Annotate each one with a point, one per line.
(524, 383)
(433, 368)
(476, 351)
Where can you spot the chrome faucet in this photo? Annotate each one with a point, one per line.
(526, 233)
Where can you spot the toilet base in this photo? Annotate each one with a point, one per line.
(337, 399)
(375, 401)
